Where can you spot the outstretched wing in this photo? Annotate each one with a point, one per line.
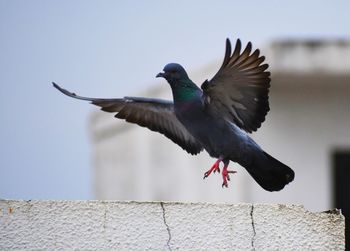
(239, 90)
(155, 114)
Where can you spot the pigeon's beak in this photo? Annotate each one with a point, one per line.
(160, 75)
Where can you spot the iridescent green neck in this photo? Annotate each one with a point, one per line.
(184, 91)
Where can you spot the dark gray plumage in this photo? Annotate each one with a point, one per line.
(215, 118)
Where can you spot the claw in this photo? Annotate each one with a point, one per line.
(226, 176)
(214, 168)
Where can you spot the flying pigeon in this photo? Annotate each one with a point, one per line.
(216, 117)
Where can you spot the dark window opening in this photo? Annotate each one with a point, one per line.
(341, 169)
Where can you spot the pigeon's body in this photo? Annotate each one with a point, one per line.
(216, 117)
(225, 140)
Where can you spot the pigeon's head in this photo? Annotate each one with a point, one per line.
(173, 72)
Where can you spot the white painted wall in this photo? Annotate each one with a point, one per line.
(112, 225)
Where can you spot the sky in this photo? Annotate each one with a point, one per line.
(114, 49)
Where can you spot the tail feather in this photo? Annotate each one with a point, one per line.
(269, 173)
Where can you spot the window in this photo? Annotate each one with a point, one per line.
(341, 184)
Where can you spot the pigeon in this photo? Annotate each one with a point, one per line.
(216, 117)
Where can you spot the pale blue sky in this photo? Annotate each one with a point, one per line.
(110, 49)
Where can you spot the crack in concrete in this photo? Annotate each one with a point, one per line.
(104, 216)
(166, 225)
(253, 225)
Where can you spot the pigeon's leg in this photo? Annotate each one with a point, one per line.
(225, 173)
(215, 167)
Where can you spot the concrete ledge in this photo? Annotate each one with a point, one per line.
(112, 225)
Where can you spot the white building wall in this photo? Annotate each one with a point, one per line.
(309, 118)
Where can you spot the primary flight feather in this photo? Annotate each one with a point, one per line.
(215, 117)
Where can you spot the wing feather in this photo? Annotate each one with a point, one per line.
(239, 90)
(154, 114)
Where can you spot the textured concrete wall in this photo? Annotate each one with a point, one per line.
(110, 225)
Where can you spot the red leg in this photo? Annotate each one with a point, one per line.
(225, 174)
(215, 167)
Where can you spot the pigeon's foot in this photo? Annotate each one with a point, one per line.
(225, 175)
(215, 168)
